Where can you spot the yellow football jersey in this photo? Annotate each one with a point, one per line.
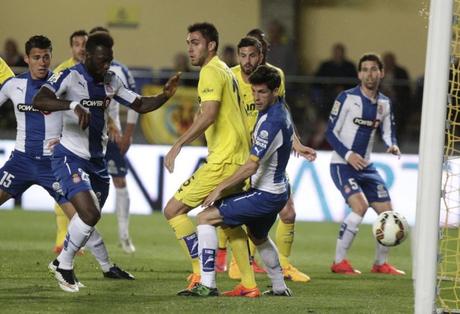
(5, 71)
(65, 65)
(247, 100)
(228, 137)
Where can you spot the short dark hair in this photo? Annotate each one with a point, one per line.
(260, 36)
(38, 41)
(207, 30)
(265, 74)
(249, 41)
(99, 39)
(370, 57)
(78, 33)
(99, 29)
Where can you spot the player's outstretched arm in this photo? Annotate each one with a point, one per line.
(151, 103)
(46, 100)
(243, 172)
(301, 150)
(209, 113)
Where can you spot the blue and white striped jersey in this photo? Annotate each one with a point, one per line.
(34, 128)
(353, 122)
(272, 144)
(128, 80)
(76, 84)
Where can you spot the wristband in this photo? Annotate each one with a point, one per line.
(73, 105)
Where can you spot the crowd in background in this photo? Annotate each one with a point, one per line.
(310, 97)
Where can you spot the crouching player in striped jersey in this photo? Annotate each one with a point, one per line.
(354, 119)
(259, 206)
(78, 160)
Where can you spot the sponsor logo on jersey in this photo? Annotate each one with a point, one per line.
(26, 108)
(335, 108)
(76, 178)
(54, 78)
(263, 134)
(381, 191)
(369, 123)
(57, 188)
(90, 103)
(207, 90)
(261, 142)
(346, 189)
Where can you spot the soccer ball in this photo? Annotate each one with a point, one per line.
(390, 228)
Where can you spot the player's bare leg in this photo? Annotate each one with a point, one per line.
(4, 196)
(284, 241)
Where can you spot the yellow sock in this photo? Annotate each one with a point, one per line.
(61, 225)
(284, 240)
(238, 240)
(222, 238)
(186, 235)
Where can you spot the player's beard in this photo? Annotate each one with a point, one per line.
(248, 70)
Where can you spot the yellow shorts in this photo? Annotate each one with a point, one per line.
(195, 190)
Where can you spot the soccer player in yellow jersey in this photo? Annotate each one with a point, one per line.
(5, 71)
(77, 45)
(221, 120)
(251, 53)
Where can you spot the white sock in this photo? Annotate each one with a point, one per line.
(269, 254)
(348, 231)
(78, 233)
(97, 247)
(381, 253)
(122, 210)
(207, 247)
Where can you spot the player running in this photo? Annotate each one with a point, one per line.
(355, 116)
(78, 160)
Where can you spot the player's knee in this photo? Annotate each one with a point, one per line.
(90, 217)
(119, 182)
(287, 215)
(4, 196)
(174, 208)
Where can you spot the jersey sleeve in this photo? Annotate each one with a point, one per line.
(123, 95)
(5, 72)
(210, 85)
(267, 140)
(335, 123)
(388, 127)
(4, 91)
(59, 82)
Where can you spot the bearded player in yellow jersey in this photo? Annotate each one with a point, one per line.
(77, 45)
(251, 53)
(221, 120)
(5, 71)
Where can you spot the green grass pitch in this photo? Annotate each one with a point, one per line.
(160, 268)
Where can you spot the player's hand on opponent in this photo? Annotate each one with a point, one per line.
(394, 149)
(212, 197)
(52, 143)
(356, 161)
(171, 85)
(113, 131)
(304, 151)
(83, 116)
(171, 157)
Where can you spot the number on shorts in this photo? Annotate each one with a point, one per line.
(5, 181)
(353, 184)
